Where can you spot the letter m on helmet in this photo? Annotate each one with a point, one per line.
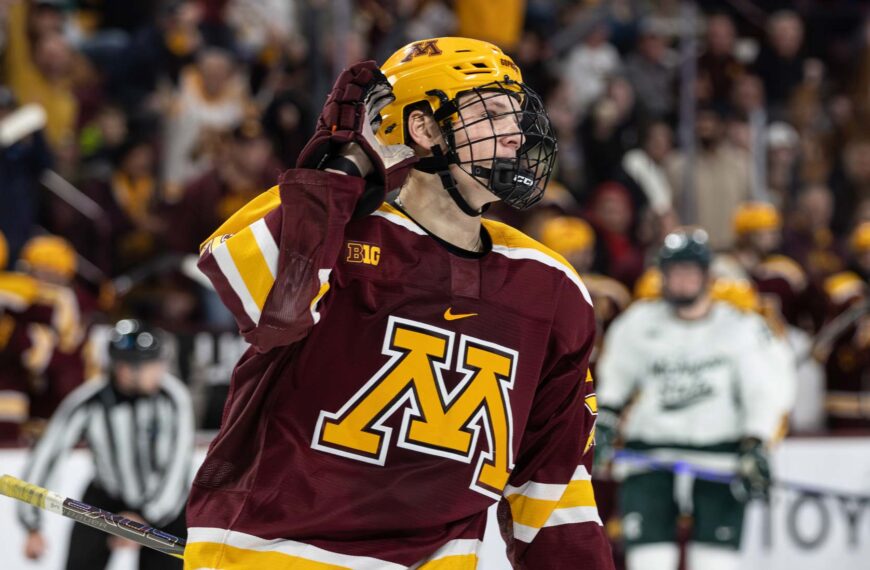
(428, 47)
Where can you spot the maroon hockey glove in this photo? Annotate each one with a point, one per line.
(352, 115)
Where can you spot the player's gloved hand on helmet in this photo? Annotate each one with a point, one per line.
(606, 431)
(351, 116)
(753, 470)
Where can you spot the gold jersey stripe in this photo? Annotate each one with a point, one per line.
(212, 555)
(505, 235)
(531, 512)
(456, 562)
(535, 512)
(578, 494)
(224, 557)
(390, 209)
(323, 276)
(250, 213)
(252, 265)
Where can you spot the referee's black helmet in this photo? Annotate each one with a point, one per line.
(134, 342)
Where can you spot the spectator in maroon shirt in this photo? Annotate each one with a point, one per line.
(611, 212)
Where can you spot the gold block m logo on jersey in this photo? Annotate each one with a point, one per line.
(436, 421)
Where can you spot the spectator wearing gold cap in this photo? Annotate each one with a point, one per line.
(49, 258)
(17, 295)
(758, 230)
(55, 357)
(849, 286)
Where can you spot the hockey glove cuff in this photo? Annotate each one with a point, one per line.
(352, 115)
(606, 430)
(753, 470)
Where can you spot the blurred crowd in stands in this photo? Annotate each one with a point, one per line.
(163, 117)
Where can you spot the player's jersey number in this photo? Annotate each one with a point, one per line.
(436, 421)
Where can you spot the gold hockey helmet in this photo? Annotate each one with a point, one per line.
(453, 78)
(50, 253)
(756, 216)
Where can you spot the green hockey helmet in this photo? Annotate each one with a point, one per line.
(690, 245)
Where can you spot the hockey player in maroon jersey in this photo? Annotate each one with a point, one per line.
(18, 310)
(411, 364)
(843, 344)
(56, 356)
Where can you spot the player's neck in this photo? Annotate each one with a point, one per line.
(428, 203)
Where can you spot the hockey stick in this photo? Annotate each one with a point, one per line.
(92, 516)
(78, 200)
(645, 461)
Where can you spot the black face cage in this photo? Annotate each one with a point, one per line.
(514, 115)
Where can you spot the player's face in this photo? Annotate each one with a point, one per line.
(766, 242)
(150, 376)
(141, 379)
(488, 127)
(683, 282)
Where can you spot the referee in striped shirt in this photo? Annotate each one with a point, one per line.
(139, 425)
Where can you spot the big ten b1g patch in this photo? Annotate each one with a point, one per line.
(362, 253)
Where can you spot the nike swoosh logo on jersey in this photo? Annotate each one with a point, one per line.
(685, 403)
(449, 316)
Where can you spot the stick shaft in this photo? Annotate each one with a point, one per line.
(92, 516)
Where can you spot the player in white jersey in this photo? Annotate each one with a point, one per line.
(708, 385)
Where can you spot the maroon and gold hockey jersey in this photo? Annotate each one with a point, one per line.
(396, 387)
(18, 293)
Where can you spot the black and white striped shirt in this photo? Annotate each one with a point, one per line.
(142, 447)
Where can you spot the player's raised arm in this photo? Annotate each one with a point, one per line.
(554, 521)
(271, 261)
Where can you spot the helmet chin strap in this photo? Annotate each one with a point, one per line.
(439, 164)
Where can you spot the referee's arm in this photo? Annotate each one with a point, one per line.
(170, 494)
(64, 431)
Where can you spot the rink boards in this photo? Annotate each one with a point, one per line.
(801, 531)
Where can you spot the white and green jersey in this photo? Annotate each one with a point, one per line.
(694, 384)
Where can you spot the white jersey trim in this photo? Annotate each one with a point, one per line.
(228, 267)
(525, 533)
(400, 221)
(573, 515)
(267, 245)
(509, 252)
(541, 257)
